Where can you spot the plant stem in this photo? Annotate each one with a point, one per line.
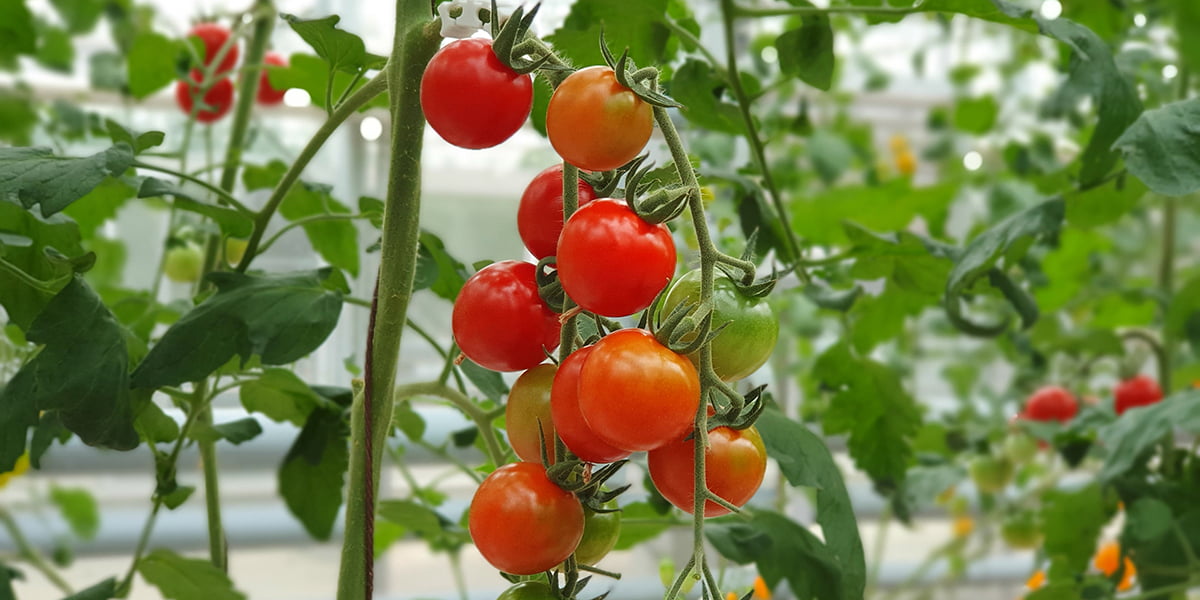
(218, 549)
(30, 554)
(1166, 284)
(308, 221)
(482, 420)
(140, 549)
(226, 196)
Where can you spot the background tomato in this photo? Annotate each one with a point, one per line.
(185, 263)
(1021, 530)
(235, 249)
(214, 37)
(734, 464)
(523, 523)
(528, 590)
(1051, 403)
(595, 123)
(268, 95)
(217, 100)
(635, 393)
(991, 474)
(540, 215)
(600, 533)
(1140, 390)
(528, 406)
(612, 262)
(751, 327)
(500, 321)
(568, 420)
(472, 99)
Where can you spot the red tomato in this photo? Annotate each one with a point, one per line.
(268, 95)
(1136, 391)
(528, 411)
(595, 123)
(635, 393)
(471, 98)
(612, 262)
(540, 215)
(734, 465)
(217, 100)
(523, 523)
(1051, 403)
(500, 321)
(569, 422)
(214, 37)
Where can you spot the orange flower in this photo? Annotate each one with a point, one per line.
(761, 591)
(963, 526)
(906, 163)
(731, 596)
(1037, 580)
(1106, 561)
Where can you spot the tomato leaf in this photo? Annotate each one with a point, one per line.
(179, 578)
(806, 52)
(922, 485)
(449, 273)
(426, 523)
(154, 426)
(235, 432)
(311, 74)
(99, 205)
(17, 33)
(490, 383)
(26, 241)
(996, 11)
(782, 550)
(633, 25)
(889, 207)
(18, 111)
(1162, 148)
(281, 396)
(336, 240)
(975, 115)
(279, 318)
(343, 50)
(311, 476)
(232, 222)
(101, 591)
(78, 509)
(541, 101)
(701, 92)
(151, 63)
(1129, 438)
(1072, 521)
(36, 176)
(1104, 204)
(639, 522)
(80, 16)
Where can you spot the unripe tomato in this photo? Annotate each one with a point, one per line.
(1136, 391)
(472, 99)
(528, 590)
(184, 264)
(1020, 447)
(528, 406)
(235, 249)
(600, 533)
(500, 321)
(268, 95)
(991, 474)
(217, 100)
(569, 423)
(595, 123)
(734, 464)
(1051, 403)
(523, 523)
(1021, 530)
(540, 215)
(635, 393)
(214, 37)
(612, 262)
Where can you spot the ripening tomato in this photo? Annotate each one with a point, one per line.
(500, 321)
(214, 37)
(540, 215)
(734, 464)
(1136, 391)
(528, 412)
(472, 99)
(751, 327)
(268, 95)
(1051, 403)
(635, 393)
(523, 523)
(568, 421)
(217, 100)
(600, 533)
(595, 123)
(611, 261)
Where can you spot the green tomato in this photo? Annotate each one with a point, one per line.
(235, 249)
(1021, 530)
(1020, 447)
(600, 533)
(184, 264)
(528, 590)
(746, 342)
(990, 473)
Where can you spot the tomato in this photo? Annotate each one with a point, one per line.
(500, 321)
(1106, 560)
(612, 262)
(528, 405)
(734, 464)
(635, 393)
(1020, 447)
(1136, 391)
(268, 95)
(1021, 530)
(1051, 403)
(523, 523)
(217, 100)
(235, 249)
(595, 123)
(540, 215)
(472, 99)
(528, 590)
(568, 420)
(751, 327)
(184, 264)
(600, 533)
(214, 37)
(991, 474)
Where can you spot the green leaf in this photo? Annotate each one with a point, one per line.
(806, 461)
(1148, 519)
(232, 222)
(36, 176)
(782, 550)
(80, 16)
(178, 496)
(1069, 267)
(831, 155)
(279, 318)
(311, 74)
(1139, 430)
(840, 300)
(879, 318)
(904, 259)
(335, 240)
(281, 396)
(633, 25)
(413, 516)
(1187, 25)
(140, 142)
(976, 115)
(451, 274)
(541, 101)
(57, 234)
(151, 63)
(698, 88)
(18, 114)
(1183, 313)
(17, 33)
(154, 426)
(81, 372)
(99, 205)
(311, 477)
(343, 50)
(1162, 148)
(55, 50)
(806, 52)
(78, 509)
(101, 591)
(888, 207)
(996, 11)
(922, 485)
(106, 71)
(235, 432)
(1104, 204)
(1072, 521)
(640, 522)
(179, 578)
(489, 382)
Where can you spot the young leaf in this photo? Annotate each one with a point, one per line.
(1162, 148)
(343, 50)
(37, 176)
(78, 508)
(281, 396)
(311, 476)
(633, 25)
(151, 64)
(232, 222)
(179, 578)
(700, 90)
(101, 591)
(235, 432)
(451, 274)
(806, 52)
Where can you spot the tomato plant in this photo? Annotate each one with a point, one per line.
(540, 214)
(1139, 390)
(268, 95)
(749, 326)
(472, 99)
(735, 462)
(523, 523)
(215, 103)
(528, 413)
(215, 37)
(569, 423)
(500, 322)
(595, 123)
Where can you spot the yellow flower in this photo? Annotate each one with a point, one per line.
(731, 596)
(707, 195)
(898, 143)
(18, 469)
(963, 526)
(906, 163)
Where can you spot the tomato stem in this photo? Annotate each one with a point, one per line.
(26, 551)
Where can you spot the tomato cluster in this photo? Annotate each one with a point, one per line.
(215, 92)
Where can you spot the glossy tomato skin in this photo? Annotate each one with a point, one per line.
(214, 37)
(500, 322)
(1136, 391)
(734, 465)
(218, 98)
(527, 411)
(523, 523)
(751, 327)
(568, 420)
(635, 393)
(1051, 403)
(611, 261)
(472, 99)
(267, 95)
(595, 123)
(528, 590)
(540, 214)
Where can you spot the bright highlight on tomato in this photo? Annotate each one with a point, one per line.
(734, 464)
(574, 431)
(500, 321)
(523, 523)
(217, 100)
(595, 123)
(268, 95)
(1136, 391)
(472, 99)
(540, 215)
(528, 412)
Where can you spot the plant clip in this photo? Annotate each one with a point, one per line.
(462, 18)
(643, 83)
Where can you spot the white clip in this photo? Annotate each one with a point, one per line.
(467, 22)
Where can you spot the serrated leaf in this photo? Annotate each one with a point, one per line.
(700, 90)
(782, 550)
(343, 50)
(281, 396)
(1162, 148)
(335, 240)
(633, 25)
(57, 233)
(179, 578)
(1007, 239)
(36, 176)
(78, 509)
(1140, 429)
(888, 207)
(311, 476)
(151, 63)
(806, 52)
(490, 383)
(235, 432)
